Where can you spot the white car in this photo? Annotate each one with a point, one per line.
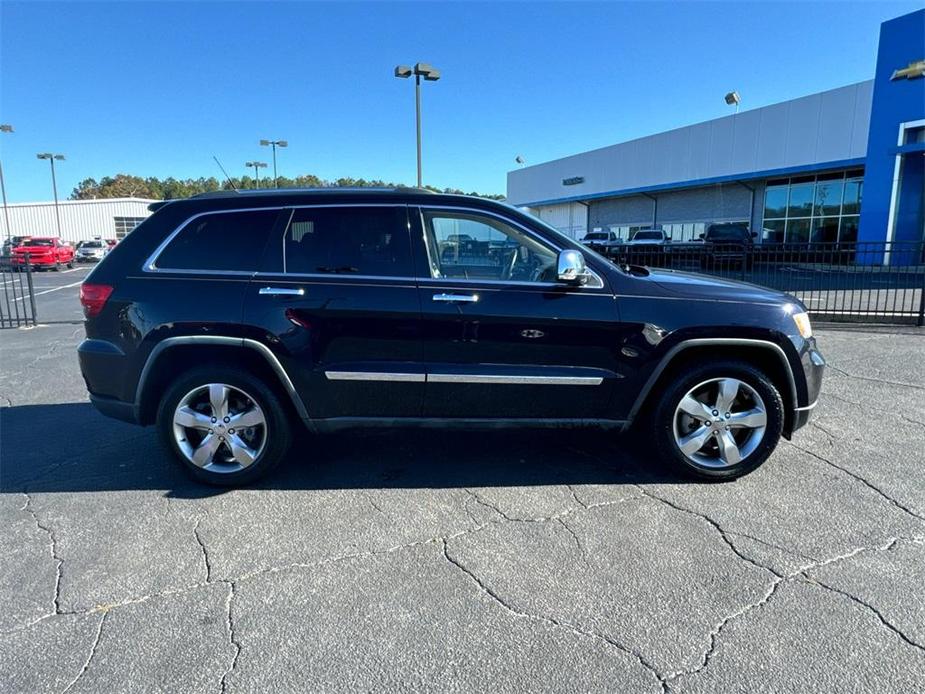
(648, 237)
(91, 251)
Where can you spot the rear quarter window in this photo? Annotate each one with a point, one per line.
(220, 241)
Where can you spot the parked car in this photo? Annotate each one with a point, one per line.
(728, 244)
(602, 241)
(44, 252)
(230, 319)
(6, 251)
(649, 237)
(92, 251)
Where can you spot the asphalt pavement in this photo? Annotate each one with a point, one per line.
(447, 561)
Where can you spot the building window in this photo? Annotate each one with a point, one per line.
(813, 209)
(125, 225)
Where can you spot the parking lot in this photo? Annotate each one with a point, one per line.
(447, 561)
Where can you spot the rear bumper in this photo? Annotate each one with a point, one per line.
(103, 366)
(117, 409)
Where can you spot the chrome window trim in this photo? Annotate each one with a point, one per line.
(150, 264)
(514, 223)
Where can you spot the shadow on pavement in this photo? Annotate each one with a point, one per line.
(72, 448)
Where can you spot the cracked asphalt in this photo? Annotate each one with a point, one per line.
(451, 561)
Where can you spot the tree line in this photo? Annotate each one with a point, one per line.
(128, 186)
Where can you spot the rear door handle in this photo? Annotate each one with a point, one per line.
(282, 291)
(460, 298)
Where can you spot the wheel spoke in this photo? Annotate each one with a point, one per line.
(204, 453)
(694, 441)
(242, 453)
(191, 419)
(728, 448)
(249, 418)
(695, 408)
(750, 419)
(218, 398)
(728, 389)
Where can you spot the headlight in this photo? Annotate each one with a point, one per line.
(802, 321)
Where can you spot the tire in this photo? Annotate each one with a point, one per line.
(265, 444)
(57, 266)
(70, 265)
(756, 400)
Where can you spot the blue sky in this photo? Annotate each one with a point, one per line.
(158, 88)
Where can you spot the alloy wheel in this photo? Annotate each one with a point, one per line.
(219, 428)
(720, 422)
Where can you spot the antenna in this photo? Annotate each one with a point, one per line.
(233, 187)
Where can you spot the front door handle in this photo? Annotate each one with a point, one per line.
(460, 298)
(282, 291)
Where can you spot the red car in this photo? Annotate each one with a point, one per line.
(44, 252)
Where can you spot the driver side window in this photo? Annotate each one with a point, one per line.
(467, 245)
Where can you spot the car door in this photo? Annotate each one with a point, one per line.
(502, 338)
(337, 300)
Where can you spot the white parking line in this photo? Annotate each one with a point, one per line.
(49, 291)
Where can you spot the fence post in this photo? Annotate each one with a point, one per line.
(35, 320)
(921, 321)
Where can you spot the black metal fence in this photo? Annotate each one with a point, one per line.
(857, 282)
(17, 295)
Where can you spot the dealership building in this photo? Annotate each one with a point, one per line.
(846, 165)
(109, 218)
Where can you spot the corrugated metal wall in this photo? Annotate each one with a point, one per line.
(80, 219)
(570, 218)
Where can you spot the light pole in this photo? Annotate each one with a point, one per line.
(257, 166)
(430, 74)
(6, 213)
(733, 98)
(274, 144)
(54, 183)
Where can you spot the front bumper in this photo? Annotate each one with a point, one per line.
(813, 364)
(20, 261)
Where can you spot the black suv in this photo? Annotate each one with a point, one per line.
(227, 319)
(729, 244)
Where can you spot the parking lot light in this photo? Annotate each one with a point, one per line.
(257, 166)
(5, 128)
(274, 144)
(733, 99)
(430, 74)
(54, 183)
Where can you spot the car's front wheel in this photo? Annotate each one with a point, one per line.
(225, 426)
(718, 421)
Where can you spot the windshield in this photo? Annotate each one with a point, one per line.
(648, 236)
(597, 236)
(38, 242)
(92, 244)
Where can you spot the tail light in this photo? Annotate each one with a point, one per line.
(93, 297)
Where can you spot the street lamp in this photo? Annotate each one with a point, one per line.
(274, 144)
(6, 213)
(54, 183)
(430, 74)
(733, 98)
(257, 166)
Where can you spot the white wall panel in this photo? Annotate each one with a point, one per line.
(80, 219)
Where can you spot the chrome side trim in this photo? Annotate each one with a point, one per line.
(457, 298)
(746, 342)
(393, 377)
(259, 347)
(282, 291)
(516, 380)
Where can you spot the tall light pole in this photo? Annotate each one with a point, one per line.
(6, 213)
(257, 166)
(274, 144)
(54, 183)
(430, 74)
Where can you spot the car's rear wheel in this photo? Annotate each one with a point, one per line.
(719, 421)
(224, 426)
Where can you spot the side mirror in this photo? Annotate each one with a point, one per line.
(571, 267)
(703, 236)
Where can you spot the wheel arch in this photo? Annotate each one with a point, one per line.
(768, 356)
(174, 355)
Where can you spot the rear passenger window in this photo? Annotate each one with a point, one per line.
(229, 241)
(348, 241)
